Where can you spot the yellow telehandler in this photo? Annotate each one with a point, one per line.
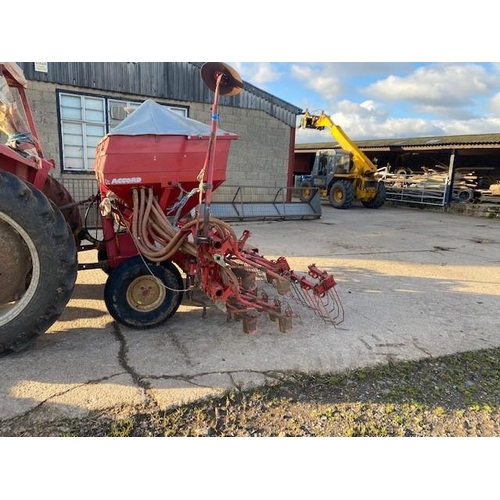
(344, 175)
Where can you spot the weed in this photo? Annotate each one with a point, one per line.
(121, 428)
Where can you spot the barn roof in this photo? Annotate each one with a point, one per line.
(475, 141)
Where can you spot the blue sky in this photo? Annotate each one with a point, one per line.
(371, 100)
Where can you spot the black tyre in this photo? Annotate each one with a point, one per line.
(143, 296)
(379, 199)
(306, 191)
(38, 266)
(341, 194)
(465, 195)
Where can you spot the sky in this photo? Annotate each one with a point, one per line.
(381, 100)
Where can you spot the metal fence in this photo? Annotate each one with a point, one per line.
(82, 190)
(412, 189)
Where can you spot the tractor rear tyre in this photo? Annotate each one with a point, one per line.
(341, 194)
(141, 294)
(379, 199)
(38, 263)
(306, 191)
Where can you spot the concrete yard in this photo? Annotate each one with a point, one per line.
(413, 284)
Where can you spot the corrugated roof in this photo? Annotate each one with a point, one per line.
(436, 142)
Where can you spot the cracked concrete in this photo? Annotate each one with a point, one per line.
(413, 284)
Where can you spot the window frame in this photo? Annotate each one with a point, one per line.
(88, 168)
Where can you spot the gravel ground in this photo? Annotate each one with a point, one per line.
(455, 395)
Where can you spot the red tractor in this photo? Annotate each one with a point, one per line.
(39, 264)
(156, 172)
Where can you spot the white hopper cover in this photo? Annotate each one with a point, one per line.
(151, 118)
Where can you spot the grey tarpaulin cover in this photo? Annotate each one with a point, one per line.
(151, 118)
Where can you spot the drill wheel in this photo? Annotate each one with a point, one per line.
(141, 294)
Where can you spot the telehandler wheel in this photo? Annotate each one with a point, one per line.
(38, 263)
(379, 199)
(143, 296)
(306, 191)
(341, 194)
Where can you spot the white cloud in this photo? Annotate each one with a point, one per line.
(438, 86)
(364, 121)
(369, 105)
(318, 79)
(469, 127)
(359, 128)
(331, 80)
(495, 104)
(259, 74)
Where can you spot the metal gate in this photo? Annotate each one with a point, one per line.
(421, 189)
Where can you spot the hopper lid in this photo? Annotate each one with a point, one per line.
(151, 118)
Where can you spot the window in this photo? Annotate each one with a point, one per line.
(83, 124)
(84, 121)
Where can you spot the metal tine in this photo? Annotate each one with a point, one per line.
(298, 294)
(319, 307)
(328, 307)
(333, 312)
(310, 300)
